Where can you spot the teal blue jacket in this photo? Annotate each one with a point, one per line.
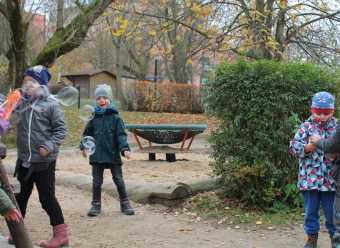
(109, 135)
(5, 202)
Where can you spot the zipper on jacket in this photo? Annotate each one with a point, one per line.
(101, 142)
(29, 134)
(29, 130)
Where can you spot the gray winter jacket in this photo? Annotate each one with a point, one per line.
(40, 128)
(332, 145)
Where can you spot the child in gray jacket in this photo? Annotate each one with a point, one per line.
(40, 134)
(332, 145)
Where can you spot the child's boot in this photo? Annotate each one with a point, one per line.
(59, 239)
(312, 241)
(10, 240)
(95, 209)
(331, 236)
(125, 207)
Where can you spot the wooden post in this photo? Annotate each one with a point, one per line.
(3, 151)
(17, 229)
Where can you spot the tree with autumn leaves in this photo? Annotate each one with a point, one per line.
(179, 32)
(16, 16)
(281, 30)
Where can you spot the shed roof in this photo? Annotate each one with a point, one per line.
(86, 72)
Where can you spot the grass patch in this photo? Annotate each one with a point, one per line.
(9, 139)
(211, 206)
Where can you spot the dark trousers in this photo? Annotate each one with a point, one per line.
(44, 181)
(117, 177)
(336, 216)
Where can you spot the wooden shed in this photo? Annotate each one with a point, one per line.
(89, 79)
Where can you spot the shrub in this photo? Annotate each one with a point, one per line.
(163, 97)
(260, 105)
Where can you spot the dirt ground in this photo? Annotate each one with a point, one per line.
(152, 225)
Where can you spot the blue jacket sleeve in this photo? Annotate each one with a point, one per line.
(298, 143)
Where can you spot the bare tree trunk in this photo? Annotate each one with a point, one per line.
(64, 40)
(123, 104)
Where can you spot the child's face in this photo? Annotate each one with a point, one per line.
(30, 85)
(323, 117)
(103, 102)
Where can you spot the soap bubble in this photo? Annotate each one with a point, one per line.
(86, 113)
(40, 105)
(88, 142)
(32, 93)
(33, 90)
(67, 96)
(92, 147)
(86, 139)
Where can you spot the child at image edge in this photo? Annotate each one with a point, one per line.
(107, 129)
(39, 136)
(315, 180)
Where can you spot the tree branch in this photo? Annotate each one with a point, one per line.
(71, 37)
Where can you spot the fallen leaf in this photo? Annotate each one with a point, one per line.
(168, 210)
(185, 229)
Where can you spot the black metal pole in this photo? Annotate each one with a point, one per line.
(78, 88)
(156, 60)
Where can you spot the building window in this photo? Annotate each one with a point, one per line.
(206, 64)
(204, 80)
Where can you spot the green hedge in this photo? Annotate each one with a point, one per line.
(260, 104)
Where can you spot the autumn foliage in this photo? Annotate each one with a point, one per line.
(163, 97)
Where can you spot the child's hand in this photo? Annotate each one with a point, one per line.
(127, 154)
(314, 139)
(310, 147)
(332, 155)
(42, 151)
(13, 214)
(84, 153)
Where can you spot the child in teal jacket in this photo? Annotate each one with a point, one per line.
(7, 209)
(110, 140)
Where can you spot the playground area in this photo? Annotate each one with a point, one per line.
(153, 225)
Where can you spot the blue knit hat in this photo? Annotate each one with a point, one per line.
(323, 102)
(39, 73)
(103, 90)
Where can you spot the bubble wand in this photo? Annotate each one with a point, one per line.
(11, 103)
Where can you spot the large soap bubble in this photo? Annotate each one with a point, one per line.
(67, 96)
(33, 90)
(90, 147)
(86, 139)
(86, 112)
(40, 105)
